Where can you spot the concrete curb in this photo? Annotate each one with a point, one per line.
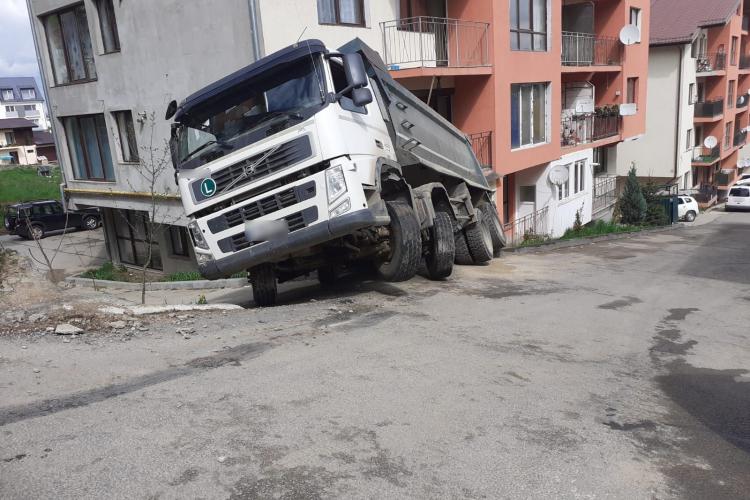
(557, 245)
(159, 285)
(141, 310)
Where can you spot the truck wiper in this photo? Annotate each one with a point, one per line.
(277, 115)
(212, 142)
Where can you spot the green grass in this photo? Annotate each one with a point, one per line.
(599, 228)
(23, 184)
(107, 271)
(110, 272)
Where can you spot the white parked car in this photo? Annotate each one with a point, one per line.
(744, 180)
(739, 199)
(687, 208)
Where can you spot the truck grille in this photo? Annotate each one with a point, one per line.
(287, 155)
(260, 208)
(294, 221)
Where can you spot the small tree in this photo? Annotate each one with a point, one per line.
(656, 212)
(578, 223)
(632, 204)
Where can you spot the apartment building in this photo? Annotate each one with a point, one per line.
(545, 89)
(110, 66)
(698, 77)
(20, 98)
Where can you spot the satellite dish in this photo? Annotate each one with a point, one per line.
(710, 142)
(630, 34)
(559, 174)
(741, 101)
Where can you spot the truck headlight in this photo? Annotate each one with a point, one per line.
(335, 183)
(342, 208)
(197, 235)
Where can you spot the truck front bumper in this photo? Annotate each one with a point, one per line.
(276, 251)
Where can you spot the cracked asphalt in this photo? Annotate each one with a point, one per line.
(610, 370)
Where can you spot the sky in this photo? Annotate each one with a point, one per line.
(17, 55)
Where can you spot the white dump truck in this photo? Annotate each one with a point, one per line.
(311, 160)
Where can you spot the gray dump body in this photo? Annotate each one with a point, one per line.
(420, 135)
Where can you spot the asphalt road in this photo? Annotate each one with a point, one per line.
(614, 370)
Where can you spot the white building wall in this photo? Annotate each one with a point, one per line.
(663, 152)
(561, 213)
(283, 21)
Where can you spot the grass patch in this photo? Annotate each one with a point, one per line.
(107, 271)
(599, 228)
(110, 272)
(23, 184)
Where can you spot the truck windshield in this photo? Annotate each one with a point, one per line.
(282, 97)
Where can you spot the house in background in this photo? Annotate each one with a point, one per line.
(545, 88)
(699, 80)
(20, 98)
(17, 142)
(45, 145)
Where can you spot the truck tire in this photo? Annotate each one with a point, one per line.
(479, 240)
(406, 244)
(492, 221)
(263, 280)
(440, 258)
(463, 257)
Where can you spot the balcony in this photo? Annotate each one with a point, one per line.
(435, 42)
(740, 139)
(588, 127)
(745, 23)
(481, 143)
(709, 109)
(724, 178)
(705, 156)
(584, 49)
(710, 63)
(744, 62)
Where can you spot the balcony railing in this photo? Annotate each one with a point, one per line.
(529, 227)
(723, 179)
(706, 63)
(584, 49)
(706, 155)
(745, 23)
(589, 127)
(709, 109)
(435, 42)
(745, 61)
(605, 192)
(481, 143)
(740, 138)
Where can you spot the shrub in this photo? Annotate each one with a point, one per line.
(632, 204)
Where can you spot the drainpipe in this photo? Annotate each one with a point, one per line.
(50, 112)
(252, 6)
(679, 116)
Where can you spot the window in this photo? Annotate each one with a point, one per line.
(579, 181)
(178, 237)
(10, 138)
(7, 94)
(528, 25)
(347, 12)
(527, 194)
(728, 135)
(69, 45)
(632, 91)
(126, 135)
(528, 114)
(563, 190)
(692, 95)
(635, 19)
(29, 107)
(27, 94)
(89, 147)
(10, 109)
(131, 230)
(506, 199)
(689, 140)
(733, 53)
(600, 161)
(730, 94)
(108, 25)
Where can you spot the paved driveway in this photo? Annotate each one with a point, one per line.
(73, 251)
(615, 370)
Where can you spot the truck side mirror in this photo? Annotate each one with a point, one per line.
(171, 110)
(354, 67)
(361, 97)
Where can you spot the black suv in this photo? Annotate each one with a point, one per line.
(46, 216)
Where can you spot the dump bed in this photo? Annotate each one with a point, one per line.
(419, 134)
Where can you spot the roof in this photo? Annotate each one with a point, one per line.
(42, 137)
(15, 123)
(678, 21)
(260, 66)
(16, 83)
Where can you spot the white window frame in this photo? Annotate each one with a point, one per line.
(8, 95)
(563, 190)
(10, 109)
(690, 140)
(31, 96)
(547, 116)
(579, 178)
(638, 21)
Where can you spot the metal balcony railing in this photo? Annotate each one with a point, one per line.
(605, 192)
(709, 109)
(584, 49)
(529, 227)
(435, 42)
(723, 179)
(481, 143)
(740, 138)
(586, 128)
(706, 155)
(706, 63)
